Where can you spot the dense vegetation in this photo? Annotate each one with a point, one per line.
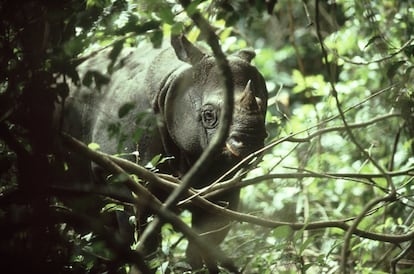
(333, 191)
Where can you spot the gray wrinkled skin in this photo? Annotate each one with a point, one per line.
(175, 98)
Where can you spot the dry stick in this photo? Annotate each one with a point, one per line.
(408, 223)
(64, 215)
(147, 199)
(392, 195)
(237, 166)
(380, 60)
(393, 263)
(339, 128)
(142, 29)
(226, 116)
(357, 177)
(233, 182)
(291, 137)
(394, 148)
(242, 217)
(143, 173)
(219, 138)
(292, 39)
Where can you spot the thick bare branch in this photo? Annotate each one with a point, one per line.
(225, 121)
(168, 181)
(392, 195)
(147, 199)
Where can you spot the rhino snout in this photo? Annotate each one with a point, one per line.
(234, 146)
(240, 147)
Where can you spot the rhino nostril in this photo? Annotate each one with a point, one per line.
(235, 146)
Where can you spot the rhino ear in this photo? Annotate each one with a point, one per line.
(185, 50)
(246, 54)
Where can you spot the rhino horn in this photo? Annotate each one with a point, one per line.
(248, 101)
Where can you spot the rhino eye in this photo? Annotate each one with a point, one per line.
(209, 116)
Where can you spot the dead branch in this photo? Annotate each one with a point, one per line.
(168, 181)
(147, 199)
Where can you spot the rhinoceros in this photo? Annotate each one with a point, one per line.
(167, 101)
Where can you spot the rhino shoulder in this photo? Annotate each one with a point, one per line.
(162, 73)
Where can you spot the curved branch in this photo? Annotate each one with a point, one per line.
(359, 177)
(350, 231)
(147, 199)
(386, 58)
(219, 138)
(394, 261)
(168, 216)
(292, 138)
(389, 197)
(167, 182)
(343, 128)
(218, 184)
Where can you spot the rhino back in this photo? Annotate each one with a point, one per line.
(119, 115)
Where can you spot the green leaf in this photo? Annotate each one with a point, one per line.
(372, 40)
(164, 159)
(192, 8)
(156, 38)
(63, 90)
(96, 3)
(119, 178)
(74, 46)
(155, 160)
(87, 79)
(113, 55)
(393, 68)
(409, 50)
(309, 241)
(111, 207)
(282, 232)
(177, 28)
(125, 109)
(166, 15)
(94, 146)
(100, 79)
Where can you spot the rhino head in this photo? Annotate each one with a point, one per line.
(194, 101)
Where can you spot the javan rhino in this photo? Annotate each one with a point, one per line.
(171, 98)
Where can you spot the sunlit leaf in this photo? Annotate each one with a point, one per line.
(94, 146)
(372, 40)
(282, 232)
(112, 207)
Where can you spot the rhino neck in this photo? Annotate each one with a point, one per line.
(162, 71)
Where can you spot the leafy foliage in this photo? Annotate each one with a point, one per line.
(340, 123)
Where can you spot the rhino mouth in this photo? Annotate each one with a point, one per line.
(241, 148)
(232, 149)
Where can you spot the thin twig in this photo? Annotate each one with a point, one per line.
(344, 128)
(380, 60)
(242, 217)
(290, 138)
(394, 262)
(219, 138)
(389, 197)
(148, 200)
